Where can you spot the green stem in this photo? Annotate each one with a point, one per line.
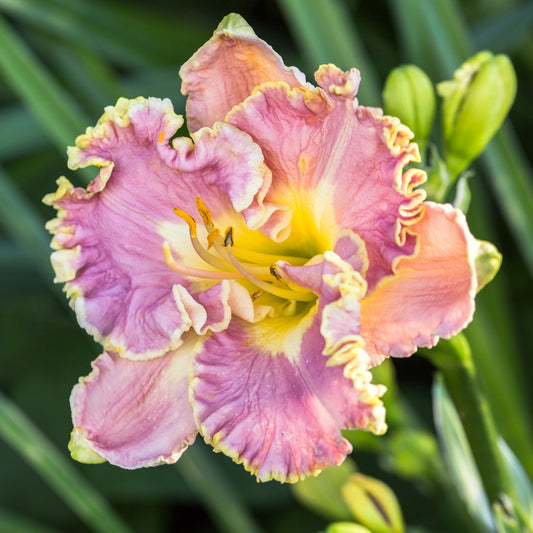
(200, 472)
(454, 359)
(18, 431)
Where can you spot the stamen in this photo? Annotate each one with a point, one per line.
(287, 294)
(204, 213)
(212, 236)
(285, 282)
(190, 221)
(228, 266)
(228, 238)
(210, 259)
(274, 271)
(262, 258)
(215, 261)
(196, 272)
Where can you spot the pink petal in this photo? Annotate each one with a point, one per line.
(432, 293)
(225, 70)
(340, 283)
(349, 253)
(109, 238)
(337, 165)
(263, 395)
(338, 83)
(136, 413)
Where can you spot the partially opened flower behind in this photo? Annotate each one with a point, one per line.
(243, 283)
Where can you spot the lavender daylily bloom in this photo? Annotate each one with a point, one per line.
(242, 283)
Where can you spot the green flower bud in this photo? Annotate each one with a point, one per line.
(487, 261)
(322, 494)
(373, 504)
(408, 94)
(475, 104)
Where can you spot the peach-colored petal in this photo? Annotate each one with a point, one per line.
(431, 295)
(225, 70)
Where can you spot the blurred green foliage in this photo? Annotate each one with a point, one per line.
(61, 62)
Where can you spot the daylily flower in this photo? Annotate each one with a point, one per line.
(243, 283)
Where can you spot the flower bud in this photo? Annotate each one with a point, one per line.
(476, 102)
(408, 94)
(373, 504)
(487, 262)
(322, 494)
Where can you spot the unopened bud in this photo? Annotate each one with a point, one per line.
(373, 504)
(476, 102)
(408, 94)
(488, 261)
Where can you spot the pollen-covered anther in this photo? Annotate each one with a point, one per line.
(212, 237)
(204, 213)
(275, 272)
(190, 220)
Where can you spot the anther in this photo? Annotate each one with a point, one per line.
(228, 237)
(190, 221)
(212, 237)
(204, 213)
(275, 272)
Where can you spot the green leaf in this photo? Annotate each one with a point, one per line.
(18, 431)
(506, 30)
(25, 226)
(346, 527)
(326, 35)
(511, 179)
(198, 468)
(52, 106)
(134, 37)
(82, 72)
(458, 456)
(13, 523)
(523, 491)
(20, 132)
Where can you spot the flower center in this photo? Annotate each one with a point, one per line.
(231, 262)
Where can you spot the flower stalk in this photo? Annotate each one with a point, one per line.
(454, 359)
